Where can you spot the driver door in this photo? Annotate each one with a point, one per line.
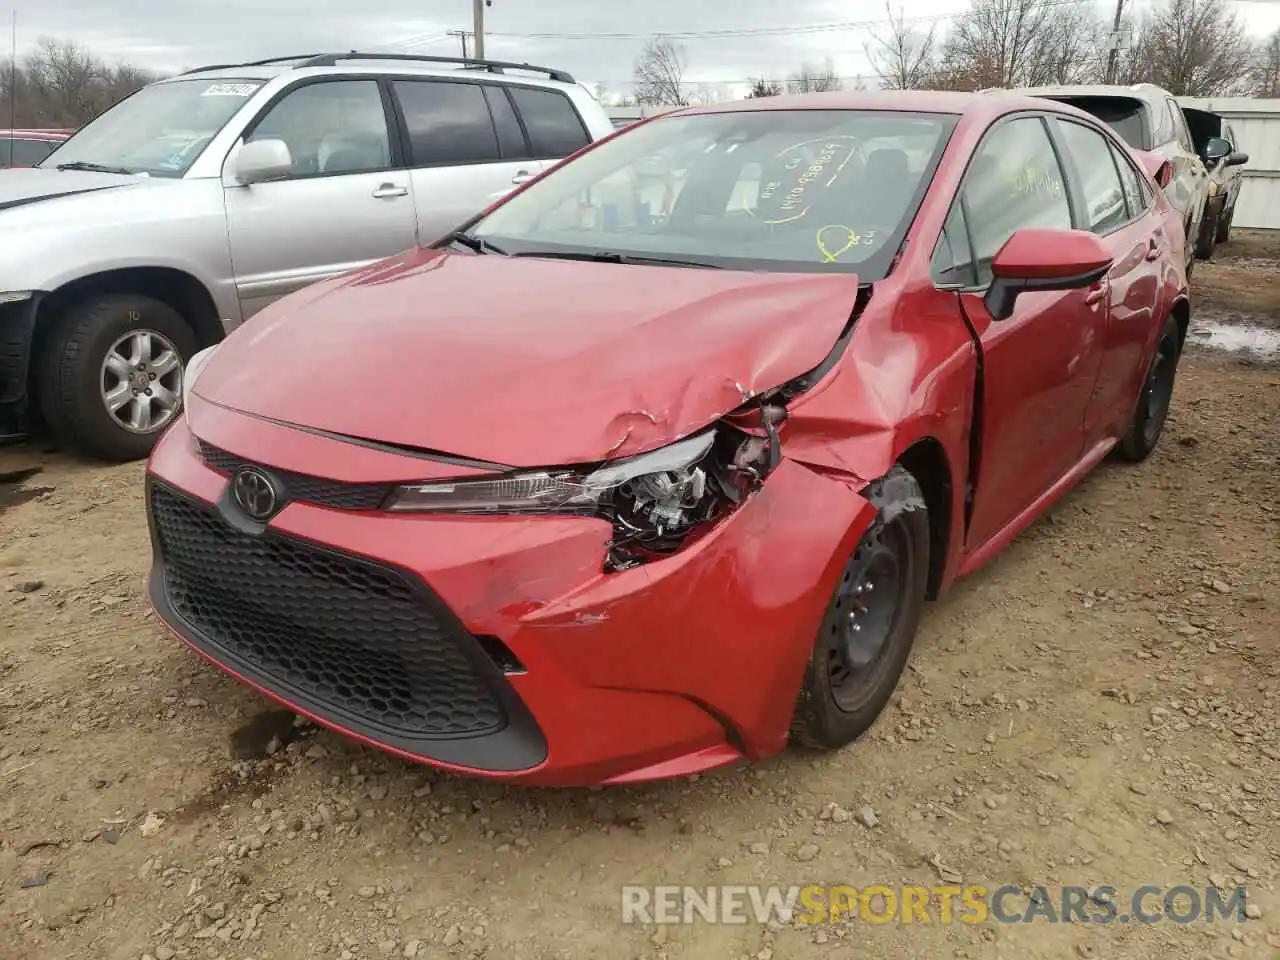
(1039, 365)
(349, 202)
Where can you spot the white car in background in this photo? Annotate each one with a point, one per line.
(1148, 118)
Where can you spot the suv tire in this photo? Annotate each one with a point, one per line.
(1223, 233)
(129, 346)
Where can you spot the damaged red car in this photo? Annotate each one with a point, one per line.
(652, 467)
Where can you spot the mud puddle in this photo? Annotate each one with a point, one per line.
(1246, 337)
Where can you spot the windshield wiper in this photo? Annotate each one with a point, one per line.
(474, 244)
(93, 167)
(610, 256)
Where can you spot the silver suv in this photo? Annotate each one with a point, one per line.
(195, 202)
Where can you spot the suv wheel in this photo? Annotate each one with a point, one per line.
(110, 376)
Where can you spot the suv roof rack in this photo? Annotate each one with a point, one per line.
(332, 59)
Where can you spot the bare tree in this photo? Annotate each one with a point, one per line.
(1266, 72)
(762, 87)
(1020, 43)
(659, 73)
(1194, 48)
(904, 59)
(814, 79)
(63, 85)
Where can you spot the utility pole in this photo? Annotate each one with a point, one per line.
(477, 14)
(462, 37)
(1114, 55)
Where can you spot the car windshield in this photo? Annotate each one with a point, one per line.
(787, 190)
(160, 130)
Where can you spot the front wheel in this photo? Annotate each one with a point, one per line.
(1208, 235)
(1223, 232)
(1157, 393)
(110, 375)
(870, 625)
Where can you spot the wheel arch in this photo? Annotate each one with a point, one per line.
(1181, 312)
(926, 459)
(176, 288)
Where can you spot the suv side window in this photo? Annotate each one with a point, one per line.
(1014, 181)
(1180, 126)
(331, 127)
(1104, 199)
(554, 127)
(1135, 197)
(448, 122)
(511, 139)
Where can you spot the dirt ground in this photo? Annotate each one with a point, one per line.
(1099, 706)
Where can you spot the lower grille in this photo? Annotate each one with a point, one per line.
(344, 633)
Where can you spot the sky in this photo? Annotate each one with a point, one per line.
(726, 41)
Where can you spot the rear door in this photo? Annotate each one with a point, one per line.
(1039, 365)
(553, 124)
(1111, 203)
(465, 146)
(347, 203)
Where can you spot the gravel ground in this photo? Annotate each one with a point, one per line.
(1099, 706)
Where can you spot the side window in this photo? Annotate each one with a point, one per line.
(26, 153)
(1134, 196)
(555, 129)
(1164, 130)
(1104, 201)
(447, 122)
(1180, 126)
(331, 127)
(1014, 181)
(953, 257)
(511, 141)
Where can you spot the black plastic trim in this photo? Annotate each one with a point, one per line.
(518, 746)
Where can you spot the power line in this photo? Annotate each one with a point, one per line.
(734, 33)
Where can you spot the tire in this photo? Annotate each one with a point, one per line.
(850, 677)
(1223, 234)
(1208, 235)
(1152, 408)
(73, 374)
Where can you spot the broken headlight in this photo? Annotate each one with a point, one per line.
(654, 501)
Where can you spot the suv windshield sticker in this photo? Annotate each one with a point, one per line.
(230, 90)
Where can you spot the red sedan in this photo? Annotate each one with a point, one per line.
(652, 466)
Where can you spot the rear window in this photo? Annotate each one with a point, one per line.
(555, 129)
(1121, 114)
(24, 153)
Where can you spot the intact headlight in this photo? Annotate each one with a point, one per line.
(654, 501)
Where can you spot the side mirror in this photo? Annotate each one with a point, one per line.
(1037, 259)
(1237, 159)
(1216, 148)
(261, 160)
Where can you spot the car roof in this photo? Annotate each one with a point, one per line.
(1133, 91)
(34, 134)
(329, 64)
(980, 106)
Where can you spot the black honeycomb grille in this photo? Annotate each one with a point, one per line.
(347, 634)
(300, 486)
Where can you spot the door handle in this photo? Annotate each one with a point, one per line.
(390, 190)
(1096, 296)
(521, 176)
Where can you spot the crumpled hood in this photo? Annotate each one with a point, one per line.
(29, 185)
(526, 362)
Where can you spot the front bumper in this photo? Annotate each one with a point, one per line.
(493, 647)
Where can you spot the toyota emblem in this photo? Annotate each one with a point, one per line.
(255, 493)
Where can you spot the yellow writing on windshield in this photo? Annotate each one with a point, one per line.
(808, 168)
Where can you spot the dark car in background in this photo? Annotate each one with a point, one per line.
(1219, 147)
(26, 148)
